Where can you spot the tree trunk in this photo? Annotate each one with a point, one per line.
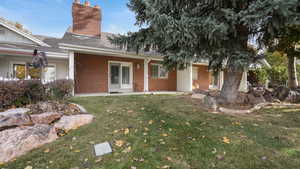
(292, 73)
(230, 89)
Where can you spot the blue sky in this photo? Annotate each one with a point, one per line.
(53, 17)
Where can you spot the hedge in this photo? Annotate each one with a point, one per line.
(23, 92)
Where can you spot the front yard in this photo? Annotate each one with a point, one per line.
(148, 132)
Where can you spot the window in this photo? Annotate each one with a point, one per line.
(158, 71)
(21, 71)
(125, 75)
(214, 80)
(50, 73)
(195, 73)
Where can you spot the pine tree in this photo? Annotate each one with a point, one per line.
(186, 31)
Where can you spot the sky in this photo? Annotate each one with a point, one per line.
(53, 17)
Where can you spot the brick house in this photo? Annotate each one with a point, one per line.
(85, 54)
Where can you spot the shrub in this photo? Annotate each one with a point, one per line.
(60, 89)
(20, 92)
(23, 92)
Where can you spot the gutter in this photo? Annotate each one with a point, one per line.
(27, 52)
(102, 51)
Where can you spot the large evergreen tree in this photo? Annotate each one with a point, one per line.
(186, 31)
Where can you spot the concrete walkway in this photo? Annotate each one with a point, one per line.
(131, 94)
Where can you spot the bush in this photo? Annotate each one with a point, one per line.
(23, 92)
(60, 89)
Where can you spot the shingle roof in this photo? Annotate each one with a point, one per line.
(30, 47)
(101, 43)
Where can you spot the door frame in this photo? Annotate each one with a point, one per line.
(123, 88)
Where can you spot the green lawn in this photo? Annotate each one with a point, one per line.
(172, 132)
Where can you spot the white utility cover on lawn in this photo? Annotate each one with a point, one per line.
(102, 149)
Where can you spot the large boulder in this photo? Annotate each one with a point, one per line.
(52, 106)
(14, 117)
(282, 92)
(45, 118)
(293, 97)
(253, 100)
(198, 96)
(68, 123)
(210, 102)
(18, 141)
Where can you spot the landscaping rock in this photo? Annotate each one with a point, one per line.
(293, 97)
(68, 123)
(210, 102)
(14, 117)
(282, 93)
(45, 118)
(18, 141)
(53, 106)
(15, 111)
(198, 96)
(255, 100)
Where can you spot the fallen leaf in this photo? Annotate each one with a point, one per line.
(28, 167)
(187, 123)
(146, 129)
(165, 166)
(226, 140)
(126, 131)
(47, 150)
(98, 160)
(50, 162)
(133, 167)
(116, 131)
(119, 143)
(163, 121)
(127, 150)
(151, 122)
(165, 135)
(214, 151)
(76, 151)
(169, 158)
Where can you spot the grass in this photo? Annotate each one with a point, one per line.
(172, 132)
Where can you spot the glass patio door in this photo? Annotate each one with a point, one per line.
(120, 76)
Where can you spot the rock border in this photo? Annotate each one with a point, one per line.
(256, 108)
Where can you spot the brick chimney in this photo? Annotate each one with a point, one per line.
(86, 19)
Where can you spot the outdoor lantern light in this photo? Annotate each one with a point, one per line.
(138, 66)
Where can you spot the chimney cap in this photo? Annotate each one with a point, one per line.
(77, 1)
(87, 3)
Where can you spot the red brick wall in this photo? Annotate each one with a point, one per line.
(86, 20)
(91, 73)
(203, 78)
(169, 84)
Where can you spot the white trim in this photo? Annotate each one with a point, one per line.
(122, 88)
(12, 63)
(49, 54)
(102, 51)
(146, 74)
(201, 64)
(22, 33)
(159, 67)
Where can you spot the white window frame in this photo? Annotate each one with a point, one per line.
(122, 86)
(159, 71)
(24, 63)
(195, 73)
(214, 87)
